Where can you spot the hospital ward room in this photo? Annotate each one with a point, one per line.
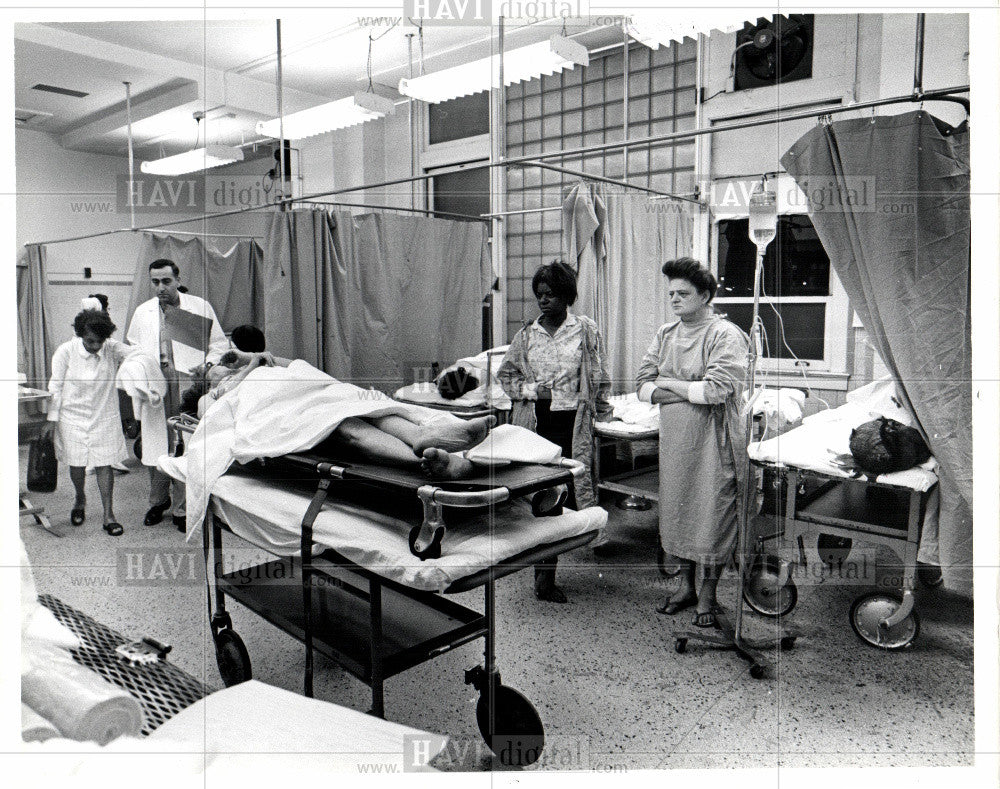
(584, 396)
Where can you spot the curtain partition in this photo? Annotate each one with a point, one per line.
(34, 348)
(619, 243)
(889, 198)
(370, 298)
(229, 280)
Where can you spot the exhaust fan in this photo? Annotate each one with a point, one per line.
(774, 51)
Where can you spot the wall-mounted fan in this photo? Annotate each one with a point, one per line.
(774, 51)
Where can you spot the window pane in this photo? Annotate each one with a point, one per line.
(795, 263)
(465, 192)
(457, 119)
(804, 326)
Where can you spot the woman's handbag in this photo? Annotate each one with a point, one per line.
(42, 468)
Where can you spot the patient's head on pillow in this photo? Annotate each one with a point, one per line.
(455, 383)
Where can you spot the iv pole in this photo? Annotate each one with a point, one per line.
(763, 229)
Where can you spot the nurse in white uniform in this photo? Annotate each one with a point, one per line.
(83, 414)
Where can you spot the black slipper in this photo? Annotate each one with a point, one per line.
(550, 593)
(77, 515)
(672, 607)
(706, 619)
(114, 529)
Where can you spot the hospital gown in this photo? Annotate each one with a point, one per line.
(702, 447)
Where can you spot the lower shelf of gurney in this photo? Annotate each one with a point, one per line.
(415, 625)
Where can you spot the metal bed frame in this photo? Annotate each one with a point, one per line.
(374, 627)
(803, 503)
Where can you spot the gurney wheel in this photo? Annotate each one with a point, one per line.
(433, 549)
(233, 659)
(787, 642)
(758, 671)
(833, 550)
(762, 592)
(516, 735)
(868, 610)
(680, 645)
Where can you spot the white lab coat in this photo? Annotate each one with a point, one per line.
(144, 331)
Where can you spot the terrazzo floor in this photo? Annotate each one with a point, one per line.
(601, 670)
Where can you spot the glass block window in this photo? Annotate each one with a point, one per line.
(583, 107)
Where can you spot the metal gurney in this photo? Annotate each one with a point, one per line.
(380, 613)
(808, 491)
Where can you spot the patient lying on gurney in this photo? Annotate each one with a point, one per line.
(393, 439)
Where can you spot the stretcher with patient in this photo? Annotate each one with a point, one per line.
(813, 488)
(367, 555)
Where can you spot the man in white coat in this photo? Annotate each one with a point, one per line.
(148, 330)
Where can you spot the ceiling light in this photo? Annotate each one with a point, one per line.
(536, 60)
(191, 161)
(652, 31)
(328, 117)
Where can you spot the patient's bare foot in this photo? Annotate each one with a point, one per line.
(442, 465)
(453, 435)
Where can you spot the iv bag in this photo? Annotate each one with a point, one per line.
(763, 216)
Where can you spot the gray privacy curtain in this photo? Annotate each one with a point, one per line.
(625, 239)
(902, 252)
(368, 298)
(229, 279)
(34, 348)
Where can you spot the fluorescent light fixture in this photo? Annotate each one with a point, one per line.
(329, 117)
(199, 159)
(536, 60)
(664, 28)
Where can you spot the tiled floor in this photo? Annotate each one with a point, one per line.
(601, 670)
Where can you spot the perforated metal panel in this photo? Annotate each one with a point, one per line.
(161, 688)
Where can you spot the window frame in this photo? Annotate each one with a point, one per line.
(837, 314)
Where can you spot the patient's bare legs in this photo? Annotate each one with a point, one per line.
(394, 440)
(449, 434)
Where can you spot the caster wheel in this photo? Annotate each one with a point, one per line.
(788, 642)
(233, 659)
(680, 645)
(137, 448)
(833, 550)
(762, 592)
(757, 671)
(432, 550)
(515, 733)
(868, 610)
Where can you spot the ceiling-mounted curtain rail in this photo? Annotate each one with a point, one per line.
(428, 211)
(541, 210)
(239, 236)
(602, 179)
(945, 94)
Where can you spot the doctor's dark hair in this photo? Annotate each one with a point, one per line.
(164, 263)
(694, 272)
(560, 278)
(96, 321)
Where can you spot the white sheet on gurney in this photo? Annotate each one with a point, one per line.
(822, 437)
(274, 412)
(269, 516)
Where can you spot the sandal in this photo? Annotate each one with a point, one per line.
(706, 619)
(77, 515)
(114, 529)
(671, 607)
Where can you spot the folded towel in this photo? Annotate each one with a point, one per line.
(141, 378)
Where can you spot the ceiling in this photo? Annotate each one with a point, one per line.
(226, 70)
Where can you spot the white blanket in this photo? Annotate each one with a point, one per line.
(274, 412)
(825, 436)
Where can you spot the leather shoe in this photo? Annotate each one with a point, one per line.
(155, 514)
(180, 521)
